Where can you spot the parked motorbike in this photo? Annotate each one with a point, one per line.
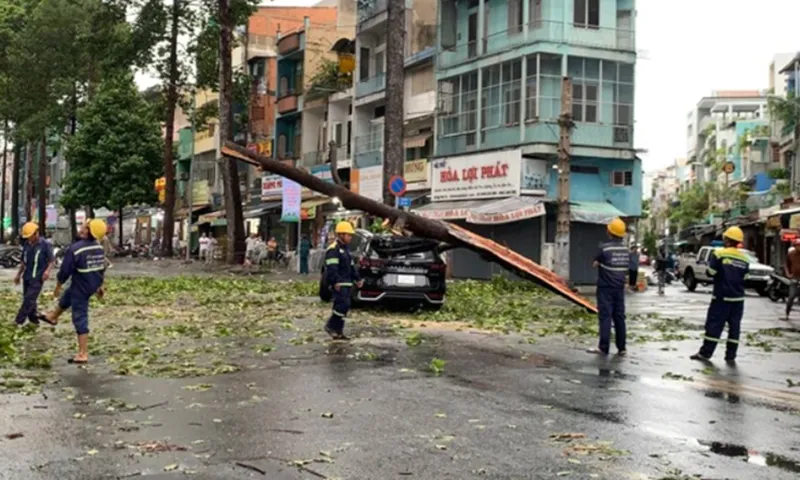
(58, 255)
(10, 256)
(778, 287)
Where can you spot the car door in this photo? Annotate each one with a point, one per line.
(702, 262)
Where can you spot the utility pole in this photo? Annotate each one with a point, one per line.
(190, 193)
(4, 186)
(393, 153)
(564, 148)
(42, 185)
(15, 194)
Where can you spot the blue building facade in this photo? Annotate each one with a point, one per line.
(499, 71)
(289, 108)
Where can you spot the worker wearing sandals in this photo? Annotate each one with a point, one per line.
(341, 276)
(85, 263)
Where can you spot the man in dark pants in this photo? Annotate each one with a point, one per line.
(341, 276)
(792, 270)
(633, 268)
(37, 260)
(728, 267)
(612, 263)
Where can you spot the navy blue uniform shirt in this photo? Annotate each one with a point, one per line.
(728, 267)
(36, 258)
(85, 263)
(612, 258)
(339, 268)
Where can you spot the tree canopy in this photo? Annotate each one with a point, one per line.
(116, 155)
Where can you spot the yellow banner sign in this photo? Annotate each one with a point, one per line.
(416, 171)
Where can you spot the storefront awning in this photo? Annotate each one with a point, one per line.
(210, 217)
(416, 141)
(593, 212)
(314, 203)
(508, 210)
(260, 209)
(182, 213)
(449, 210)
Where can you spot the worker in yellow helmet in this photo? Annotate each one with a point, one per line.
(85, 263)
(341, 276)
(34, 270)
(612, 264)
(728, 267)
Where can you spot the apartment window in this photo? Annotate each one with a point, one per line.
(283, 86)
(512, 91)
(458, 106)
(363, 64)
(515, 16)
(422, 81)
(621, 178)
(281, 146)
(617, 100)
(535, 13)
(491, 108)
(530, 88)
(585, 73)
(337, 134)
(379, 65)
(586, 13)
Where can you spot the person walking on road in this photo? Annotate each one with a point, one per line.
(612, 263)
(305, 251)
(85, 264)
(728, 267)
(37, 261)
(792, 270)
(204, 242)
(341, 276)
(633, 268)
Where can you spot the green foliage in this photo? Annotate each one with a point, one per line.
(693, 206)
(116, 155)
(328, 80)
(779, 173)
(786, 110)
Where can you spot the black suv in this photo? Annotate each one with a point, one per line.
(395, 268)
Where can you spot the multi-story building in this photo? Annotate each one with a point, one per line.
(369, 94)
(665, 188)
(784, 78)
(499, 72)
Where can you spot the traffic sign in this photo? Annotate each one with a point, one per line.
(404, 202)
(397, 185)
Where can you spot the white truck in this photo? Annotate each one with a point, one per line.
(693, 270)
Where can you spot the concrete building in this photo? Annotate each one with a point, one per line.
(665, 188)
(369, 93)
(499, 73)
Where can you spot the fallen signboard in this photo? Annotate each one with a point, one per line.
(424, 227)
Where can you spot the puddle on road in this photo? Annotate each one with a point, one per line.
(762, 459)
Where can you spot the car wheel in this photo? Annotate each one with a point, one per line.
(772, 293)
(690, 281)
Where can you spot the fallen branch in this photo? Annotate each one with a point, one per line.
(155, 405)
(251, 467)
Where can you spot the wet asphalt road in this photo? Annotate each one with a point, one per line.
(321, 411)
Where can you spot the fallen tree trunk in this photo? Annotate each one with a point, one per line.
(424, 227)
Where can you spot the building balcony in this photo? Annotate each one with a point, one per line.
(288, 103)
(369, 149)
(371, 85)
(622, 40)
(290, 43)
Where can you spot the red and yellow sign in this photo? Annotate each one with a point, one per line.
(161, 188)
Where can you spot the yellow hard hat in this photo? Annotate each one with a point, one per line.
(617, 227)
(97, 228)
(344, 227)
(29, 229)
(734, 233)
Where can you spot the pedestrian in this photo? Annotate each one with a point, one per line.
(272, 251)
(612, 263)
(37, 261)
(633, 268)
(204, 242)
(662, 264)
(305, 251)
(84, 263)
(250, 249)
(341, 275)
(212, 249)
(792, 270)
(728, 267)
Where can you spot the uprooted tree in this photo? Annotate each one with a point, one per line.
(447, 233)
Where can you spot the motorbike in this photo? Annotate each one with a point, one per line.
(10, 257)
(778, 287)
(58, 255)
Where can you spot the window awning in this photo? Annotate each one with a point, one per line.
(416, 141)
(260, 209)
(485, 212)
(508, 210)
(210, 217)
(593, 212)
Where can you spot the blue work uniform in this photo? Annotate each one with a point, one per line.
(339, 270)
(85, 263)
(728, 267)
(36, 258)
(613, 260)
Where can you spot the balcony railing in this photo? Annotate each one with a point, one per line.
(371, 85)
(370, 142)
(287, 104)
(540, 31)
(289, 43)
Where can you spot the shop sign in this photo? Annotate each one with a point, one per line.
(794, 221)
(448, 214)
(535, 175)
(271, 185)
(470, 177)
(415, 173)
(788, 235)
(368, 182)
(292, 197)
(529, 211)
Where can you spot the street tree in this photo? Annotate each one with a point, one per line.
(116, 155)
